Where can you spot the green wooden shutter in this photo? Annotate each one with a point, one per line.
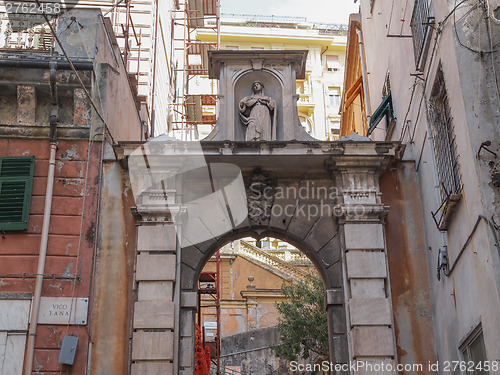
(16, 184)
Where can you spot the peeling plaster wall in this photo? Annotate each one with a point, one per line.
(406, 252)
(114, 272)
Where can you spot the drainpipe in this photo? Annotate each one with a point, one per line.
(363, 74)
(28, 367)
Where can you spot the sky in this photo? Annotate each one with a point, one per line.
(321, 11)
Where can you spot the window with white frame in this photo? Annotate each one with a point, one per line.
(14, 317)
(473, 353)
(333, 63)
(334, 96)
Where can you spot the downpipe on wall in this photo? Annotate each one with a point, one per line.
(35, 308)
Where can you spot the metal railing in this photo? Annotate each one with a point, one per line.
(421, 30)
(272, 261)
(25, 32)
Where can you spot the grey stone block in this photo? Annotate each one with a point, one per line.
(186, 352)
(330, 254)
(323, 231)
(333, 276)
(371, 288)
(334, 297)
(155, 267)
(189, 299)
(364, 236)
(337, 321)
(372, 342)
(191, 256)
(156, 238)
(366, 265)
(370, 311)
(187, 323)
(155, 291)
(188, 278)
(340, 352)
(152, 346)
(302, 220)
(152, 368)
(151, 315)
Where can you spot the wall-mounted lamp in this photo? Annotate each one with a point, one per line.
(443, 263)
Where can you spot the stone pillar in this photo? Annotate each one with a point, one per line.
(366, 285)
(154, 311)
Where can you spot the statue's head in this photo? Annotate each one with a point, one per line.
(258, 87)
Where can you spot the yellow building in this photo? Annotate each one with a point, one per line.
(319, 93)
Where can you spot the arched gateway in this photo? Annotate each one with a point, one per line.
(322, 197)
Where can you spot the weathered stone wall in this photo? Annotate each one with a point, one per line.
(252, 352)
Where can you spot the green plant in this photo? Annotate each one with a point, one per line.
(302, 323)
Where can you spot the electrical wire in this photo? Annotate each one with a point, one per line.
(458, 36)
(439, 29)
(70, 62)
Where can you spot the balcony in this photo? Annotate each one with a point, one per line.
(305, 104)
(25, 32)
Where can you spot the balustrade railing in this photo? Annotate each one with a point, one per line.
(25, 31)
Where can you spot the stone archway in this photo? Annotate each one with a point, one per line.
(321, 245)
(345, 241)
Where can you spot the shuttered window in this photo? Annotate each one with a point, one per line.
(16, 183)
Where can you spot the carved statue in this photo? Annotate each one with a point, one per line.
(258, 113)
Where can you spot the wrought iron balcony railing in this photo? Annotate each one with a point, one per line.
(421, 28)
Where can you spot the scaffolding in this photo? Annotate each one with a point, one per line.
(192, 107)
(209, 286)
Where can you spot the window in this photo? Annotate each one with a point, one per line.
(334, 96)
(385, 109)
(445, 151)
(14, 316)
(332, 63)
(445, 148)
(421, 30)
(334, 100)
(386, 90)
(16, 183)
(474, 351)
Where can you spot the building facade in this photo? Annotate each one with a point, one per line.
(56, 119)
(430, 74)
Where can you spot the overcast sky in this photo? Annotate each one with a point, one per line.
(325, 11)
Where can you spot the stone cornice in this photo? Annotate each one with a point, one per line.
(262, 293)
(216, 58)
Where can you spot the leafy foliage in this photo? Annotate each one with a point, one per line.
(302, 324)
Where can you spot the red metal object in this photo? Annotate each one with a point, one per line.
(205, 287)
